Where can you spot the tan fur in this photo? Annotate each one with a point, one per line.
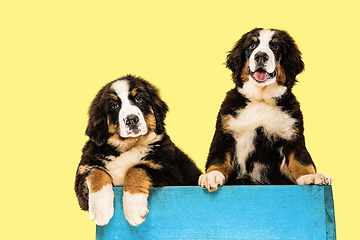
(225, 122)
(225, 168)
(281, 77)
(112, 128)
(97, 180)
(137, 181)
(245, 73)
(133, 92)
(294, 169)
(116, 137)
(114, 96)
(153, 165)
(83, 169)
(150, 121)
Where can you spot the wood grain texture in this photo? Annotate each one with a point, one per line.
(232, 212)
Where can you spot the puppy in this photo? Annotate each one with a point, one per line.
(128, 147)
(259, 131)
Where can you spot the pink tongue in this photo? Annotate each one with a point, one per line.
(260, 75)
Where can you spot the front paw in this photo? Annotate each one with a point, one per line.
(314, 179)
(101, 205)
(212, 180)
(135, 207)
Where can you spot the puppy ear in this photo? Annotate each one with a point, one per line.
(295, 58)
(236, 58)
(159, 107)
(97, 128)
(291, 60)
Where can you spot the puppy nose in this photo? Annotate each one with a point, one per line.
(261, 57)
(131, 120)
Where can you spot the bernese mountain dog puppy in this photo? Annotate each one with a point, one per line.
(259, 131)
(128, 147)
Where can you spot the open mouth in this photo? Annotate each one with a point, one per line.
(260, 75)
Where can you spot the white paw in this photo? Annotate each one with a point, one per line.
(135, 207)
(314, 179)
(212, 181)
(101, 205)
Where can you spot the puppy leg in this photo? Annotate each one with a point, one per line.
(216, 176)
(220, 160)
(303, 174)
(101, 197)
(136, 191)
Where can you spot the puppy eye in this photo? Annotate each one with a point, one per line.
(252, 46)
(274, 47)
(138, 99)
(115, 106)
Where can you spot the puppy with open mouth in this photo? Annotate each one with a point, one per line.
(259, 135)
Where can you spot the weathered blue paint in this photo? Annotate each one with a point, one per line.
(232, 212)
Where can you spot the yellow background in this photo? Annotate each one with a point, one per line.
(56, 55)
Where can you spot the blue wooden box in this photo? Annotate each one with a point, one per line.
(232, 212)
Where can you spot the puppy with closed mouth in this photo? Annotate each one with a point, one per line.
(129, 148)
(259, 135)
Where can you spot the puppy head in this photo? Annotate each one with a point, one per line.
(265, 56)
(128, 107)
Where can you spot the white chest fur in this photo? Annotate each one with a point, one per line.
(276, 123)
(118, 166)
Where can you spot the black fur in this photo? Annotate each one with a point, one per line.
(269, 151)
(288, 55)
(176, 168)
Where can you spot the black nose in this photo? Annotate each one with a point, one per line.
(131, 120)
(261, 57)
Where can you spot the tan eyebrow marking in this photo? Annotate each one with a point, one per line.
(133, 92)
(114, 96)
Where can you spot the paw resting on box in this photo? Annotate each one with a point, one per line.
(135, 207)
(212, 180)
(314, 179)
(101, 205)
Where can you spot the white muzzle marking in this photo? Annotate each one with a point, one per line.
(268, 65)
(131, 119)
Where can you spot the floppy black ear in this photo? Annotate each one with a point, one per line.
(97, 128)
(159, 107)
(292, 61)
(236, 59)
(160, 110)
